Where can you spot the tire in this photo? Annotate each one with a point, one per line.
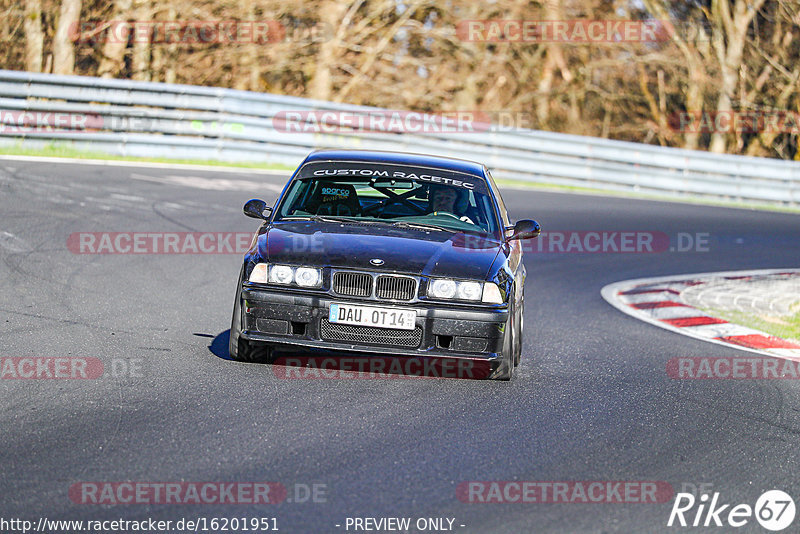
(241, 349)
(518, 335)
(505, 372)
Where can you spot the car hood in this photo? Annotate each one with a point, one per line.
(353, 245)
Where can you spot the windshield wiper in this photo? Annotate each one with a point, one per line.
(318, 218)
(398, 224)
(423, 226)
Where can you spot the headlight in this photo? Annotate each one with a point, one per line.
(280, 274)
(307, 277)
(286, 275)
(469, 291)
(444, 288)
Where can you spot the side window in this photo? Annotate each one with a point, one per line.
(500, 203)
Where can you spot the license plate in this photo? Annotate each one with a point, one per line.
(372, 316)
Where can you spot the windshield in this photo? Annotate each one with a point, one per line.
(391, 194)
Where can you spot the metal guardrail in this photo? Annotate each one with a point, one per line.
(189, 122)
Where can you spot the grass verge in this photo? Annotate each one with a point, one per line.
(648, 196)
(786, 327)
(62, 151)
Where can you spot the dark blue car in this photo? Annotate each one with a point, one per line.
(384, 254)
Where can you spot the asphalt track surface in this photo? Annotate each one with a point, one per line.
(591, 400)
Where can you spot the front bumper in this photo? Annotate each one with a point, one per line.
(291, 319)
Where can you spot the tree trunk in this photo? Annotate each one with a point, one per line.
(730, 51)
(249, 71)
(63, 47)
(321, 84)
(695, 88)
(163, 57)
(141, 47)
(34, 37)
(553, 61)
(113, 60)
(694, 97)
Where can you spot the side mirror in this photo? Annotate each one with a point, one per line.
(255, 208)
(525, 229)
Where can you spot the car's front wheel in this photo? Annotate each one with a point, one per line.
(239, 348)
(506, 369)
(518, 334)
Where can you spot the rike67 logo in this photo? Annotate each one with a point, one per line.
(774, 510)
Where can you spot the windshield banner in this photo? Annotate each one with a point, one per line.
(372, 172)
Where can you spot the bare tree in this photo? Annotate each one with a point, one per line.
(34, 37)
(729, 44)
(775, 81)
(112, 61)
(140, 58)
(376, 47)
(63, 47)
(695, 51)
(249, 71)
(331, 13)
(554, 64)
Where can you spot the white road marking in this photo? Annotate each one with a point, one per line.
(647, 297)
(214, 184)
(126, 197)
(787, 354)
(12, 243)
(670, 312)
(720, 330)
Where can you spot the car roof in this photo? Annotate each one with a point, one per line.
(380, 156)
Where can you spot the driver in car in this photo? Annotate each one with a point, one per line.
(444, 201)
